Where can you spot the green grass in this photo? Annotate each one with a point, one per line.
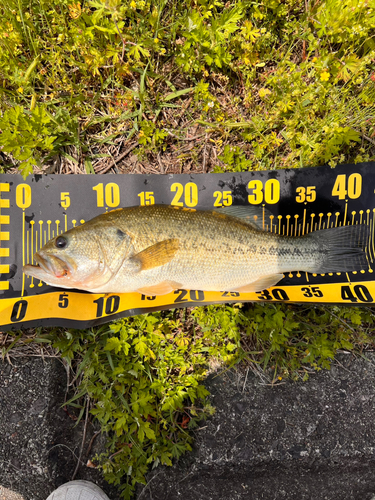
(251, 75)
(193, 86)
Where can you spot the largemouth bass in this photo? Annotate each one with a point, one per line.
(157, 249)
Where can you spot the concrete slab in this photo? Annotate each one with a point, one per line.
(294, 441)
(39, 443)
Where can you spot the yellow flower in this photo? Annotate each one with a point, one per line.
(263, 93)
(75, 10)
(20, 90)
(156, 40)
(133, 5)
(324, 76)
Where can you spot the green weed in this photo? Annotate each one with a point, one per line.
(26, 135)
(144, 376)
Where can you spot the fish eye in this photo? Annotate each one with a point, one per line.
(60, 242)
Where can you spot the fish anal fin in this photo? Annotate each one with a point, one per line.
(160, 289)
(260, 284)
(157, 255)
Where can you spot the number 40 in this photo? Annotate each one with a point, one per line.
(352, 187)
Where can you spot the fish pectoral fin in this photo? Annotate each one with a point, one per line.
(260, 284)
(160, 289)
(157, 255)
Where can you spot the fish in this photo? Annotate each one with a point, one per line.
(157, 249)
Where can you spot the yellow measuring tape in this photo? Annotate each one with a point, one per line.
(300, 201)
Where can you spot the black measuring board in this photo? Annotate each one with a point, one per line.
(301, 200)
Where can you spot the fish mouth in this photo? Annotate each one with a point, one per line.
(50, 264)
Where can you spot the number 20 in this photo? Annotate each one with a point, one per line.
(190, 190)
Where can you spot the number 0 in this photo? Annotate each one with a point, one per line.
(19, 311)
(23, 196)
(272, 191)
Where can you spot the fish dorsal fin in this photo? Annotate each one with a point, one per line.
(160, 289)
(259, 217)
(157, 255)
(260, 284)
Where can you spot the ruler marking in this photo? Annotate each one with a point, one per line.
(41, 233)
(32, 241)
(4, 219)
(4, 235)
(337, 219)
(300, 227)
(4, 203)
(23, 252)
(27, 247)
(304, 222)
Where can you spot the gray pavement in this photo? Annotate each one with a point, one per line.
(312, 440)
(39, 442)
(295, 441)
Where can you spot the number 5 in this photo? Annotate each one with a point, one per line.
(65, 200)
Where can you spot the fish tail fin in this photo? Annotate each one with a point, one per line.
(341, 249)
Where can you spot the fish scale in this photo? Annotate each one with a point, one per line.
(213, 251)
